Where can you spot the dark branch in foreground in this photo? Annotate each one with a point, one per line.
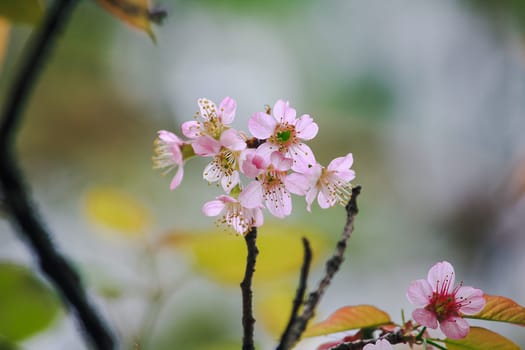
(393, 338)
(286, 339)
(246, 288)
(332, 266)
(16, 200)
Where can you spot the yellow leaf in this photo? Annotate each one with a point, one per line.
(501, 309)
(273, 304)
(222, 256)
(24, 11)
(481, 339)
(135, 13)
(4, 40)
(349, 317)
(116, 210)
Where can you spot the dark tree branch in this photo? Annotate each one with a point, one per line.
(332, 266)
(393, 338)
(17, 203)
(286, 339)
(246, 288)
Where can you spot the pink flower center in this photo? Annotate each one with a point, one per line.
(284, 136)
(444, 304)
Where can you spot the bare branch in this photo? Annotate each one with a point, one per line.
(16, 200)
(286, 339)
(393, 338)
(332, 266)
(248, 320)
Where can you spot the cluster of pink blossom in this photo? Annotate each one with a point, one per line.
(274, 159)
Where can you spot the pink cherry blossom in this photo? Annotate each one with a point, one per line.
(331, 185)
(283, 132)
(168, 156)
(275, 185)
(381, 344)
(443, 303)
(224, 167)
(234, 213)
(211, 121)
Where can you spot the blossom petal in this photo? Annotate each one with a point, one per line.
(280, 162)
(252, 195)
(227, 109)
(283, 112)
(346, 175)
(264, 151)
(419, 293)
(261, 125)
(303, 157)
(213, 208)
(455, 327)
(232, 141)
(341, 163)
(229, 182)
(169, 137)
(206, 146)
(471, 299)
(310, 196)
(258, 218)
(251, 164)
(306, 128)
(191, 129)
(297, 183)
(381, 344)
(207, 108)
(212, 172)
(425, 318)
(177, 179)
(441, 277)
(279, 202)
(324, 199)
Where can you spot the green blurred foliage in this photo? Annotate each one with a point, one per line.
(367, 96)
(23, 11)
(201, 330)
(7, 345)
(501, 11)
(27, 306)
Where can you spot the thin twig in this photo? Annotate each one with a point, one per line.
(332, 266)
(286, 340)
(17, 202)
(393, 338)
(246, 288)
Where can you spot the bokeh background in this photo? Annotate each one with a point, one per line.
(429, 96)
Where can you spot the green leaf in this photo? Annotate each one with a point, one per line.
(481, 339)
(24, 11)
(349, 317)
(27, 306)
(501, 309)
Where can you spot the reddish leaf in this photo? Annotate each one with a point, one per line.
(132, 12)
(501, 309)
(350, 317)
(481, 339)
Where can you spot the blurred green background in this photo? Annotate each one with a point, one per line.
(429, 96)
